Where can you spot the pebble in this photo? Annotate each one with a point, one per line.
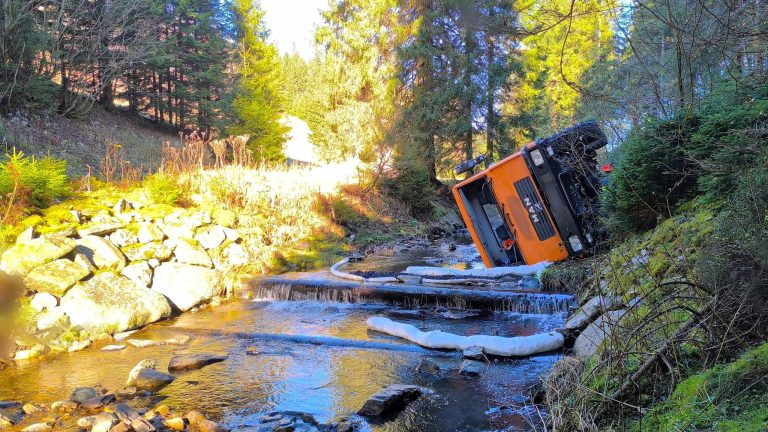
(86, 422)
(67, 406)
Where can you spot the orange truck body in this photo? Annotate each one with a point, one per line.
(533, 206)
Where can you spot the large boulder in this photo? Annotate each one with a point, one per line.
(101, 252)
(139, 272)
(22, 257)
(190, 252)
(186, 286)
(593, 336)
(55, 277)
(114, 303)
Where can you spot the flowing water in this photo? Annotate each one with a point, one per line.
(316, 357)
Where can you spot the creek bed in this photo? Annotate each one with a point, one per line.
(314, 356)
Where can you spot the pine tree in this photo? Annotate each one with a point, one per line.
(258, 103)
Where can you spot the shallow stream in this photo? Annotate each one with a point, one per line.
(315, 357)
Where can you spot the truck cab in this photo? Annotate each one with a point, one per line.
(539, 204)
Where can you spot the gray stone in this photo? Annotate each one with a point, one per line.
(409, 279)
(232, 235)
(235, 255)
(211, 237)
(21, 258)
(184, 362)
(474, 353)
(86, 422)
(11, 412)
(186, 286)
(176, 231)
(150, 233)
(139, 272)
(79, 345)
(53, 318)
(84, 262)
(390, 400)
(100, 228)
(104, 422)
(113, 303)
(43, 301)
(55, 277)
(123, 237)
(471, 368)
(144, 376)
(590, 310)
(100, 251)
(82, 394)
(189, 252)
(198, 219)
(38, 427)
(593, 336)
(147, 251)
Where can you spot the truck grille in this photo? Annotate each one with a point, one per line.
(536, 213)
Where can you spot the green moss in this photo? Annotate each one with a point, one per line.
(731, 397)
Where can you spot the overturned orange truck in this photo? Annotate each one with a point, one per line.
(539, 204)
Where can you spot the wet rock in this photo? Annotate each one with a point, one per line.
(109, 302)
(132, 418)
(189, 252)
(98, 402)
(55, 277)
(38, 427)
(181, 339)
(211, 237)
(86, 422)
(198, 422)
(144, 376)
(139, 272)
(474, 353)
(28, 354)
(150, 233)
(186, 286)
(590, 310)
(21, 258)
(30, 409)
(143, 343)
(82, 394)
(43, 301)
(123, 237)
(593, 336)
(79, 345)
(175, 423)
(104, 422)
(64, 407)
(185, 362)
(101, 252)
(290, 421)
(428, 366)
(100, 228)
(11, 413)
(391, 400)
(471, 368)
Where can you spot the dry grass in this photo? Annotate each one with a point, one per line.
(279, 210)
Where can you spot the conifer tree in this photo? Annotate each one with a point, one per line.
(258, 104)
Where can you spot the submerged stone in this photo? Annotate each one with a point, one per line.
(184, 362)
(471, 368)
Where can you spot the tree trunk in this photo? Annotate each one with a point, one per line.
(490, 121)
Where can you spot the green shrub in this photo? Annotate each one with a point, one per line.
(412, 187)
(36, 181)
(163, 188)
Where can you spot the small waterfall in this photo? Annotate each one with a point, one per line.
(409, 296)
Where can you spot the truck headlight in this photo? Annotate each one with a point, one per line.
(538, 159)
(575, 243)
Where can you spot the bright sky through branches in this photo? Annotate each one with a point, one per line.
(292, 24)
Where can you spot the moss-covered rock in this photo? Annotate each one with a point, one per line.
(55, 277)
(23, 257)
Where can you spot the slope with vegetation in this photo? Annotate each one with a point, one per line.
(690, 224)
